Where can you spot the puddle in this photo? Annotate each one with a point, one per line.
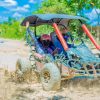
(1, 41)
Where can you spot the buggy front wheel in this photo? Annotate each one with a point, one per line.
(50, 77)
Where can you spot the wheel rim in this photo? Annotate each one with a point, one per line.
(46, 77)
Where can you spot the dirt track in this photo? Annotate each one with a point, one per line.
(10, 50)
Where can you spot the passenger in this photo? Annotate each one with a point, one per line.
(66, 34)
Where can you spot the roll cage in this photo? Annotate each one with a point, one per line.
(55, 20)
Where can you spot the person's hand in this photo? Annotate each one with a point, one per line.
(39, 55)
(55, 51)
(27, 24)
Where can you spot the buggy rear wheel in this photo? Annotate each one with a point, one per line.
(50, 77)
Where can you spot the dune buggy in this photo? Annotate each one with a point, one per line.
(76, 61)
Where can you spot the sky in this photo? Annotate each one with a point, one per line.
(93, 14)
(17, 8)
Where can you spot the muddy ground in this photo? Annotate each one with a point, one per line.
(10, 51)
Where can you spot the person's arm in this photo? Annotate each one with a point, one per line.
(55, 50)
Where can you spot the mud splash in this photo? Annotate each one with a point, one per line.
(13, 90)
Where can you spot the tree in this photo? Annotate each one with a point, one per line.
(72, 7)
(12, 29)
(67, 6)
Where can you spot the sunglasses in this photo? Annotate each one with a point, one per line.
(46, 42)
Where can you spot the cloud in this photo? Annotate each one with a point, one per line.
(12, 2)
(21, 8)
(17, 15)
(32, 1)
(8, 3)
(26, 6)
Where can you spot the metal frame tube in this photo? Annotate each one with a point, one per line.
(90, 36)
(60, 37)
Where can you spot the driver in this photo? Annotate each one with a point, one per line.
(47, 44)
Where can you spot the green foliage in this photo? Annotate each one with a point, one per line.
(44, 29)
(71, 7)
(12, 30)
(66, 6)
(54, 6)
